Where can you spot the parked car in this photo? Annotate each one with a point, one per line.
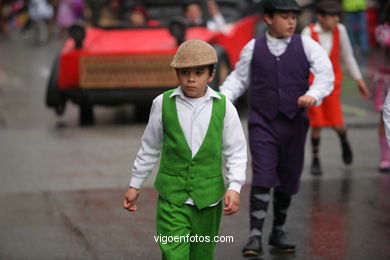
(120, 65)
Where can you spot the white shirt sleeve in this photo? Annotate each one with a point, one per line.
(306, 32)
(347, 53)
(238, 80)
(386, 117)
(321, 67)
(234, 148)
(151, 145)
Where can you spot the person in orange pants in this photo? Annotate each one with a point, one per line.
(333, 36)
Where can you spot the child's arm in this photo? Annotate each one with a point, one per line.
(363, 88)
(238, 80)
(350, 61)
(235, 154)
(322, 69)
(386, 117)
(147, 156)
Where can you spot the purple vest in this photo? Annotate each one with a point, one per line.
(278, 82)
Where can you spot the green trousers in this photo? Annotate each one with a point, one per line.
(189, 225)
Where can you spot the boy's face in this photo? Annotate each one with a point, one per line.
(194, 80)
(281, 24)
(328, 21)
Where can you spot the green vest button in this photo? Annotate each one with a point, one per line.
(192, 176)
(192, 164)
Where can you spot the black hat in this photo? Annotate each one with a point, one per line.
(329, 7)
(271, 6)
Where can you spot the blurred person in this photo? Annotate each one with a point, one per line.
(193, 13)
(194, 128)
(69, 11)
(381, 85)
(356, 20)
(40, 12)
(333, 37)
(78, 9)
(275, 69)
(386, 119)
(109, 14)
(139, 17)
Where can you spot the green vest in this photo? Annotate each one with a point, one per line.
(354, 5)
(180, 176)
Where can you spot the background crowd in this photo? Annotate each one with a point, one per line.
(60, 14)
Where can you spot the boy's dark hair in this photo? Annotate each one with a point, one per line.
(210, 67)
(273, 6)
(331, 7)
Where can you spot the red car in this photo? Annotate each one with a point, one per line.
(113, 66)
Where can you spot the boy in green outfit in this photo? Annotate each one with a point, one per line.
(193, 127)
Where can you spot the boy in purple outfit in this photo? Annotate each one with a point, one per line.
(275, 67)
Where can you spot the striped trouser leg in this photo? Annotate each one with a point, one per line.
(259, 199)
(281, 204)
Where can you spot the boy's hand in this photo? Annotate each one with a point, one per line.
(363, 88)
(130, 198)
(232, 202)
(306, 101)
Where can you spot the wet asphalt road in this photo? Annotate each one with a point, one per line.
(61, 186)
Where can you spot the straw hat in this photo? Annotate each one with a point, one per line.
(194, 53)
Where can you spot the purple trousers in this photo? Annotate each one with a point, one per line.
(277, 147)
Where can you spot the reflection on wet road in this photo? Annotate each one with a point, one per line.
(330, 219)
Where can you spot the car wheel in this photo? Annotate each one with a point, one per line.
(55, 98)
(222, 68)
(86, 116)
(142, 111)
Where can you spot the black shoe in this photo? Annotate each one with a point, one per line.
(279, 240)
(315, 167)
(253, 247)
(346, 153)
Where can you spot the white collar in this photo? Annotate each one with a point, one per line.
(210, 93)
(272, 39)
(318, 29)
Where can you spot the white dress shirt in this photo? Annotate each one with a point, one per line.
(346, 51)
(239, 80)
(194, 117)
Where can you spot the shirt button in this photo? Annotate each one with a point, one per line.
(278, 59)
